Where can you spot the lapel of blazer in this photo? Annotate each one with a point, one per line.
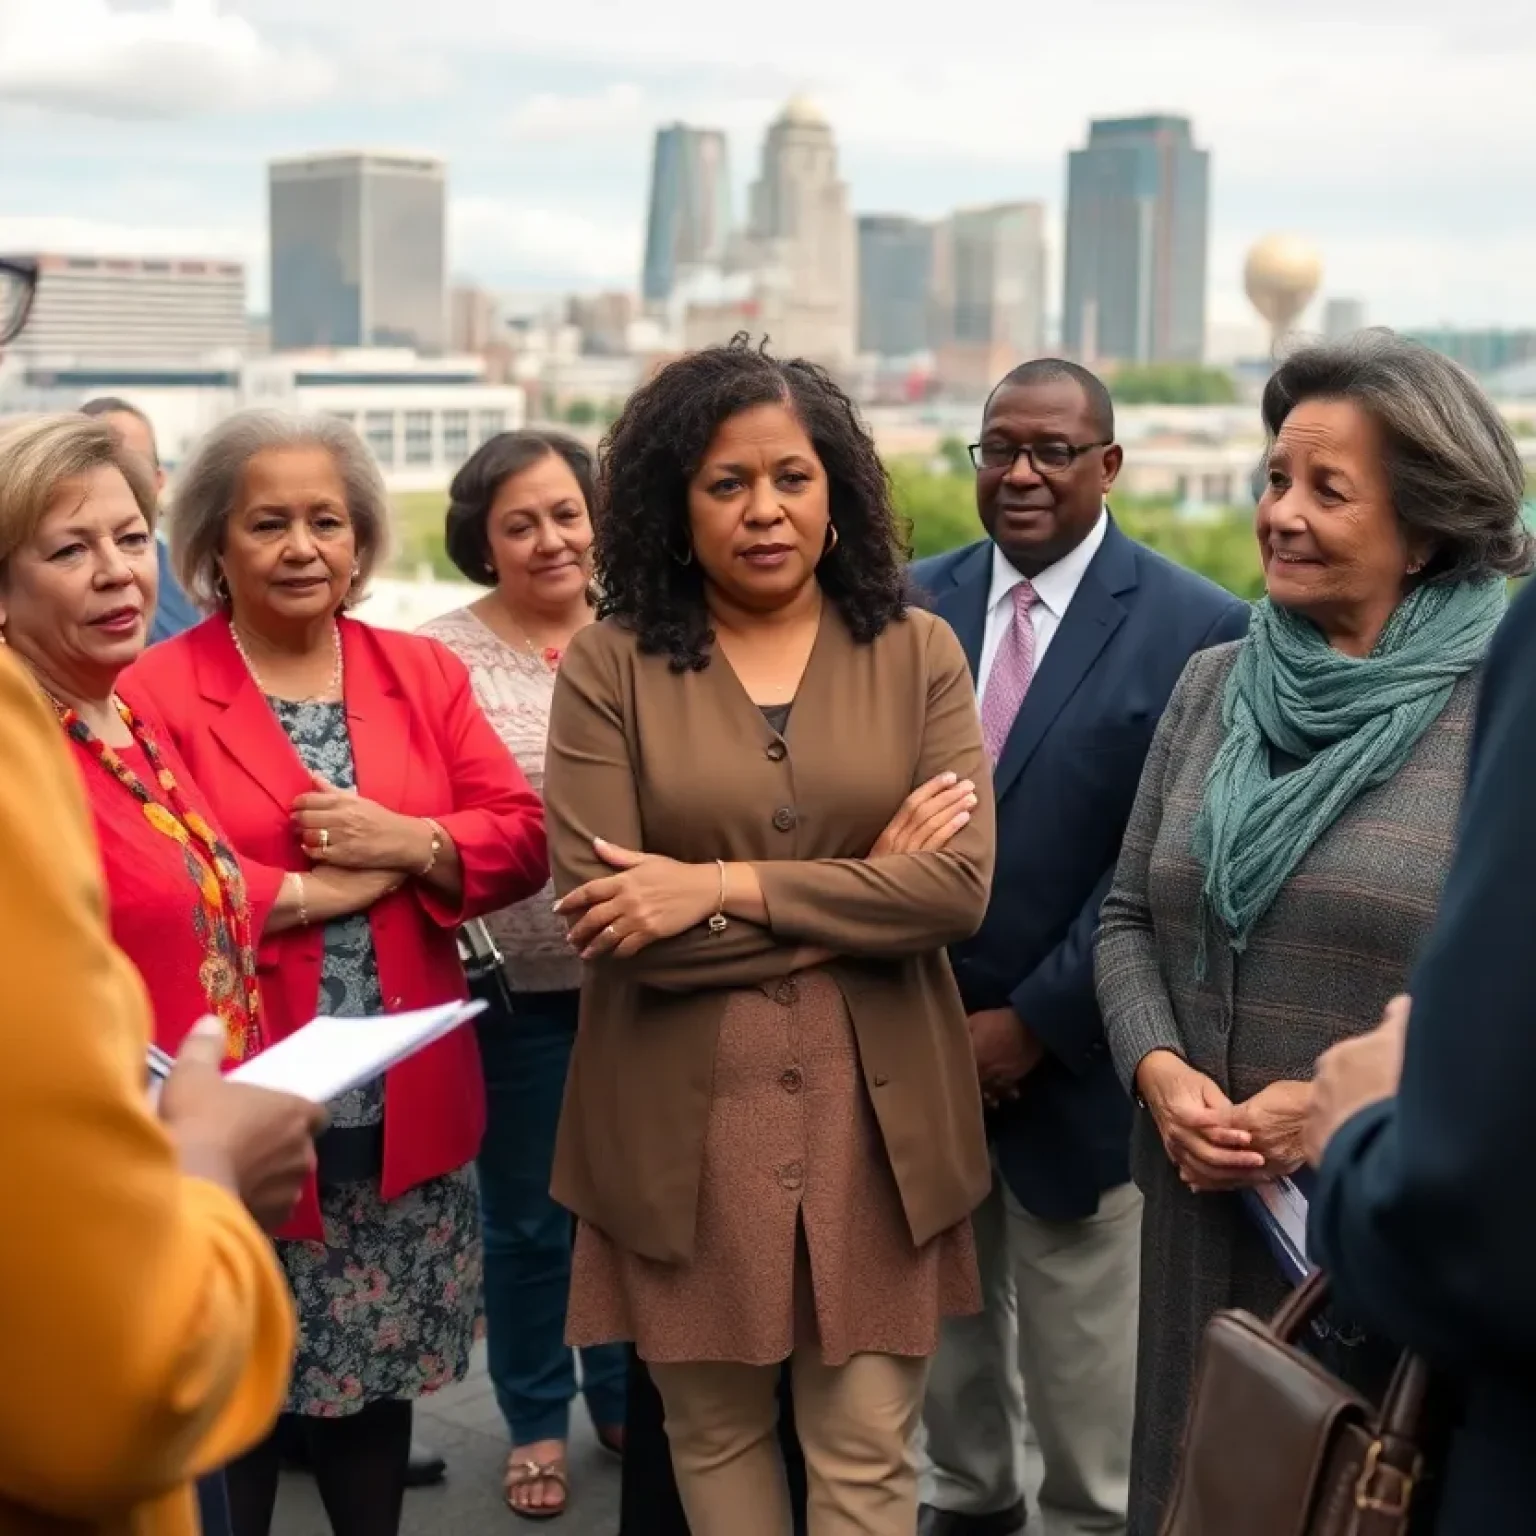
(961, 601)
(245, 725)
(378, 716)
(1093, 615)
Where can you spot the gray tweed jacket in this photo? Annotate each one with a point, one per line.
(1337, 943)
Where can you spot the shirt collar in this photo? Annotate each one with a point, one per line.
(1057, 584)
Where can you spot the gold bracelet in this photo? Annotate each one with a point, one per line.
(298, 886)
(439, 838)
(718, 923)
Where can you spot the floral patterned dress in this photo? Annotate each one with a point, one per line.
(389, 1304)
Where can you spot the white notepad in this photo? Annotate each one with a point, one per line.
(329, 1056)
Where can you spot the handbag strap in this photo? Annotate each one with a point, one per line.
(1300, 1307)
(1394, 1462)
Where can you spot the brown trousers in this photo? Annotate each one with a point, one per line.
(855, 1422)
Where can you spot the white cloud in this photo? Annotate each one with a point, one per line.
(487, 236)
(66, 235)
(176, 58)
(550, 116)
(1394, 134)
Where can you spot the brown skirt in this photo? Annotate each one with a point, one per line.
(801, 1236)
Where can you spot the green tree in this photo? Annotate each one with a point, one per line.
(581, 413)
(1172, 384)
(957, 457)
(940, 509)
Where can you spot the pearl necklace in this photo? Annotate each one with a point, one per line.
(332, 689)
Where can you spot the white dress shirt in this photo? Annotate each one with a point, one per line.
(1055, 588)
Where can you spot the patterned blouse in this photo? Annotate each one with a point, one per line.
(515, 689)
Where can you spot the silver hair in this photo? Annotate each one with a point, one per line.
(1456, 478)
(207, 490)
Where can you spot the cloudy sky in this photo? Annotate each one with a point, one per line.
(1398, 135)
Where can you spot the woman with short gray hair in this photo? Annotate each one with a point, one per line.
(208, 490)
(324, 745)
(1294, 825)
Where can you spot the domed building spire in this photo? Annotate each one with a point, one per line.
(802, 112)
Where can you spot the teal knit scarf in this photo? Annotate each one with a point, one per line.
(1352, 721)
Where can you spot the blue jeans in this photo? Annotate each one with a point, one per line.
(527, 1236)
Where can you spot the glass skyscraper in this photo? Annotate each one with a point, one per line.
(690, 215)
(359, 252)
(895, 285)
(1138, 226)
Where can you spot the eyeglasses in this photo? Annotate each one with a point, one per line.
(1044, 458)
(18, 288)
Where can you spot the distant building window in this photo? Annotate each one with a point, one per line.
(379, 430)
(488, 424)
(418, 437)
(455, 436)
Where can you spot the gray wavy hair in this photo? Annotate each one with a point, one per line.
(1455, 472)
(207, 491)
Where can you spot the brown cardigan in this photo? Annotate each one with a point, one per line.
(685, 765)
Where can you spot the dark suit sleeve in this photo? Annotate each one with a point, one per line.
(1422, 1209)
(1057, 1000)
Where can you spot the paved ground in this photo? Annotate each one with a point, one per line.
(464, 1425)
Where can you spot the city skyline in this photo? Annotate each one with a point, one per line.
(148, 128)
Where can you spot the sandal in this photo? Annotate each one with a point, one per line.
(529, 1474)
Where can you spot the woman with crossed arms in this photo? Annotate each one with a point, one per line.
(772, 1132)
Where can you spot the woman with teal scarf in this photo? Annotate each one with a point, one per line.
(1295, 822)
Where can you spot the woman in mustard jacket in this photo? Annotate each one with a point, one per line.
(144, 1324)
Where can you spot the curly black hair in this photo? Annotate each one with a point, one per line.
(653, 450)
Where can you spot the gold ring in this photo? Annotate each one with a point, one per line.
(325, 838)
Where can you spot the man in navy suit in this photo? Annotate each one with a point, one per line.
(173, 611)
(1076, 636)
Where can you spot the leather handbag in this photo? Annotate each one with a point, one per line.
(1277, 1446)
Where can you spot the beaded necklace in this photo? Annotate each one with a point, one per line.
(228, 976)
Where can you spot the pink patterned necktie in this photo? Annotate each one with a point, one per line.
(1013, 668)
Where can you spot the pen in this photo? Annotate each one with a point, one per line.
(159, 1063)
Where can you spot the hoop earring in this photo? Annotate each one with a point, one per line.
(687, 558)
(220, 587)
(830, 542)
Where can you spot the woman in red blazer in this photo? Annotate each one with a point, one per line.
(321, 741)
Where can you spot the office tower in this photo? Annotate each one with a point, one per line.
(474, 319)
(690, 218)
(990, 294)
(895, 284)
(802, 240)
(1342, 318)
(359, 252)
(130, 308)
(1138, 226)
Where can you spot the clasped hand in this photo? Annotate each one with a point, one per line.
(340, 827)
(1215, 1144)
